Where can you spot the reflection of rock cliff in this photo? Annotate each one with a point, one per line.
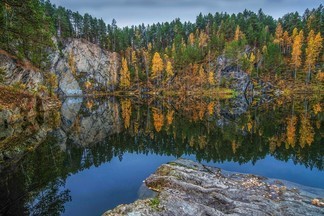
(70, 110)
(89, 126)
(18, 139)
(102, 122)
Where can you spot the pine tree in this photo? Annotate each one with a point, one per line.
(134, 63)
(202, 75)
(286, 42)
(169, 70)
(124, 75)
(203, 38)
(251, 62)
(279, 36)
(157, 66)
(313, 49)
(26, 30)
(191, 39)
(296, 54)
(238, 33)
(294, 34)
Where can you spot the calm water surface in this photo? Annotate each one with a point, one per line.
(94, 154)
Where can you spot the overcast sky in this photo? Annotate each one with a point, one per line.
(134, 12)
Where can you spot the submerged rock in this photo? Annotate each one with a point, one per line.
(189, 188)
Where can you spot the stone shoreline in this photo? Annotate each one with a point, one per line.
(188, 188)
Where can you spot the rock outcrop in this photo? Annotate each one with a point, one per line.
(19, 72)
(17, 105)
(80, 61)
(189, 188)
(80, 67)
(237, 79)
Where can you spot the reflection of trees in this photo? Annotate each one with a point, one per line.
(306, 132)
(50, 201)
(158, 119)
(35, 187)
(126, 107)
(291, 131)
(245, 138)
(168, 127)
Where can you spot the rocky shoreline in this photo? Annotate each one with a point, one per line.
(17, 106)
(188, 188)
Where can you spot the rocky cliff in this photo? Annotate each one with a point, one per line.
(83, 67)
(13, 71)
(79, 65)
(80, 68)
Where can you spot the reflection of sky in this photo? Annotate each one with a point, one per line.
(134, 12)
(98, 189)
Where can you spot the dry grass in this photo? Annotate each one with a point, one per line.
(11, 97)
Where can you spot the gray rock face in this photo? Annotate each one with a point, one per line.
(239, 80)
(18, 72)
(189, 188)
(83, 61)
(78, 62)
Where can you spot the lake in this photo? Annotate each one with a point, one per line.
(94, 153)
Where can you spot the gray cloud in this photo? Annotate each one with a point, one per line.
(134, 12)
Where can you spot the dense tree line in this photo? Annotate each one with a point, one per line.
(25, 30)
(254, 42)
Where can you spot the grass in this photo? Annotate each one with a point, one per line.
(154, 203)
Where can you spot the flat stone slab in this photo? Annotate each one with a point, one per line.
(188, 188)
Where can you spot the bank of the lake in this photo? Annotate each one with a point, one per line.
(188, 188)
(17, 105)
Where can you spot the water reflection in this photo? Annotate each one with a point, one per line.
(89, 132)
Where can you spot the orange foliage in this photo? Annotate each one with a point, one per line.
(317, 108)
(202, 141)
(291, 131)
(169, 117)
(89, 104)
(158, 119)
(126, 107)
(235, 146)
(306, 132)
(210, 108)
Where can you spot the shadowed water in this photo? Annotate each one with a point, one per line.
(93, 154)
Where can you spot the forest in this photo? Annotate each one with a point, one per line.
(176, 55)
